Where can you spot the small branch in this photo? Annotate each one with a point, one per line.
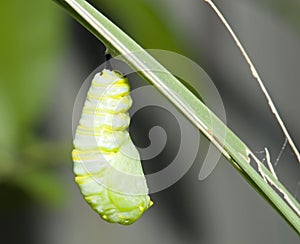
(257, 77)
(271, 182)
(281, 152)
(268, 159)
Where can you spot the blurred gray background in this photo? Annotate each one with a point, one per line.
(45, 58)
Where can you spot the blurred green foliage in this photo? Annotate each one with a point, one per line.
(32, 37)
(30, 41)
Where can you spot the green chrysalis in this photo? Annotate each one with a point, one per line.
(107, 165)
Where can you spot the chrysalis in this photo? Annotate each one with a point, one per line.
(107, 165)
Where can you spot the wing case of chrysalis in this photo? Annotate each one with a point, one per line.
(107, 165)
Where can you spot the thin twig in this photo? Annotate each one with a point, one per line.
(257, 77)
(268, 159)
(271, 182)
(280, 153)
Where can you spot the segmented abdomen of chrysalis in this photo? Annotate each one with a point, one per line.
(107, 165)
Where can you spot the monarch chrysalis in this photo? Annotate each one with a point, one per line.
(107, 165)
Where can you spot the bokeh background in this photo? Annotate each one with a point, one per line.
(44, 58)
